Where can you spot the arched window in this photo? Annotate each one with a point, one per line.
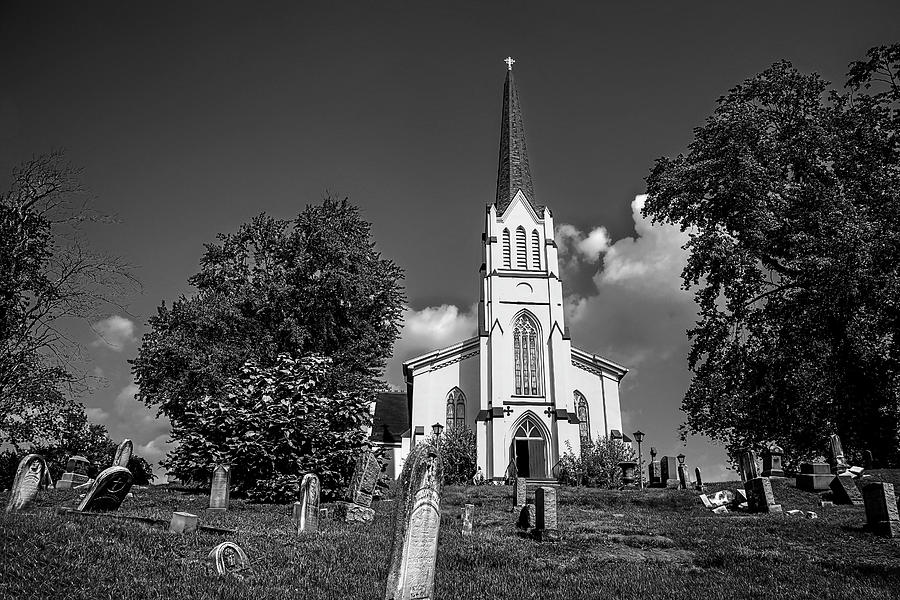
(584, 427)
(456, 408)
(521, 250)
(528, 359)
(507, 260)
(528, 430)
(535, 250)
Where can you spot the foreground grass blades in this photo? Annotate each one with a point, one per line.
(656, 544)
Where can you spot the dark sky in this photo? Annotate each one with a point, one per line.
(190, 118)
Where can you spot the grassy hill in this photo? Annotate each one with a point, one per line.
(632, 545)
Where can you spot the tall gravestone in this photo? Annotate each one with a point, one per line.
(29, 476)
(760, 497)
(308, 519)
(468, 519)
(220, 490)
(838, 461)
(520, 491)
(108, 490)
(748, 465)
(868, 461)
(698, 480)
(546, 527)
(76, 473)
(358, 506)
(772, 462)
(669, 471)
(684, 480)
(416, 526)
(881, 509)
(653, 470)
(123, 454)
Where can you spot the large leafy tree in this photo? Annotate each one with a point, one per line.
(311, 286)
(791, 193)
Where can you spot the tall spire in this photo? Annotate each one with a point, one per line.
(513, 173)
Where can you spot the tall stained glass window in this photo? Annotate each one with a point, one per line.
(528, 360)
(456, 408)
(584, 427)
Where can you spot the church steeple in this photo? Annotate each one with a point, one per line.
(513, 174)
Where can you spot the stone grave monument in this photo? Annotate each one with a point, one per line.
(844, 490)
(684, 480)
(468, 519)
(748, 465)
(772, 462)
(653, 470)
(76, 473)
(308, 517)
(546, 528)
(760, 497)
(838, 462)
(814, 477)
(416, 526)
(108, 491)
(698, 480)
(868, 461)
(183, 522)
(668, 472)
(123, 454)
(228, 558)
(358, 506)
(220, 490)
(29, 476)
(881, 509)
(520, 492)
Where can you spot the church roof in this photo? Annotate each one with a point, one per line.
(513, 173)
(391, 418)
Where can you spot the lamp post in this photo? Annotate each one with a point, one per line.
(436, 429)
(639, 437)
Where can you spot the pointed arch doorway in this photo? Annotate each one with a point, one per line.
(529, 449)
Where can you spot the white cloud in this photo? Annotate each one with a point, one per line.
(114, 332)
(575, 244)
(431, 328)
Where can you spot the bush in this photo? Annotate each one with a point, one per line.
(598, 464)
(458, 455)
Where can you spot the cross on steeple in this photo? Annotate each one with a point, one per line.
(509, 60)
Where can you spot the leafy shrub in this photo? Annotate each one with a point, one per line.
(273, 425)
(458, 454)
(598, 464)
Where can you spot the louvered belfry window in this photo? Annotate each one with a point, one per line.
(528, 357)
(521, 249)
(507, 250)
(535, 250)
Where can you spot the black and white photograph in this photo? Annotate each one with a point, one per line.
(500, 300)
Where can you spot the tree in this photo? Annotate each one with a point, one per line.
(313, 286)
(458, 455)
(598, 464)
(791, 196)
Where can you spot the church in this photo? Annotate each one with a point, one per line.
(528, 394)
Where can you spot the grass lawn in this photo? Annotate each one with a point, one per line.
(655, 544)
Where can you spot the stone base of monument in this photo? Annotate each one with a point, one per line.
(672, 484)
(844, 491)
(70, 480)
(814, 482)
(889, 529)
(774, 474)
(545, 535)
(183, 522)
(351, 513)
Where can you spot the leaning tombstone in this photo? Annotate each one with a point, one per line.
(308, 517)
(358, 506)
(838, 462)
(881, 509)
(814, 477)
(760, 497)
(653, 470)
(108, 490)
(669, 472)
(123, 454)
(748, 465)
(772, 462)
(468, 519)
(228, 559)
(76, 473)
(416, 526)
(844, 490)
(29, 477)
(183, 522)
(546, 528)
(698, 480)
(220, 490)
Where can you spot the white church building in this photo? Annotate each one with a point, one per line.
(519, 384)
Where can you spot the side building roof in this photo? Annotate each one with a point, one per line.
(391, 418)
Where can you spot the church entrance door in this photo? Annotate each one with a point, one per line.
(529, 450)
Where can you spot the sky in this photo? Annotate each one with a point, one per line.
(189, 118)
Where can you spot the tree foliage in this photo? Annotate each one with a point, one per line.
(458, 455)
(791, 195)
(273, 425)
(312, 286)
(597, 465)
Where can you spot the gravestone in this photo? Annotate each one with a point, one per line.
(29, 476)
(227, 558)
(760, 497)
(525, 520)
(108, 491)
(123, 454)
(308, 517)
(669, 472)
(628, 473)
(520, 492)
(814, 477)
(653, 470)
(881, 509)
(546, 527)
(183, 522)
(416, 526)
(468, 519)
(365, 475)
(684, 481)
(868, 461)
(844, 490)
(838, 462)
(698, 480)
(748, 465)
(220, 490)
(772, 462)
(76, 473)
